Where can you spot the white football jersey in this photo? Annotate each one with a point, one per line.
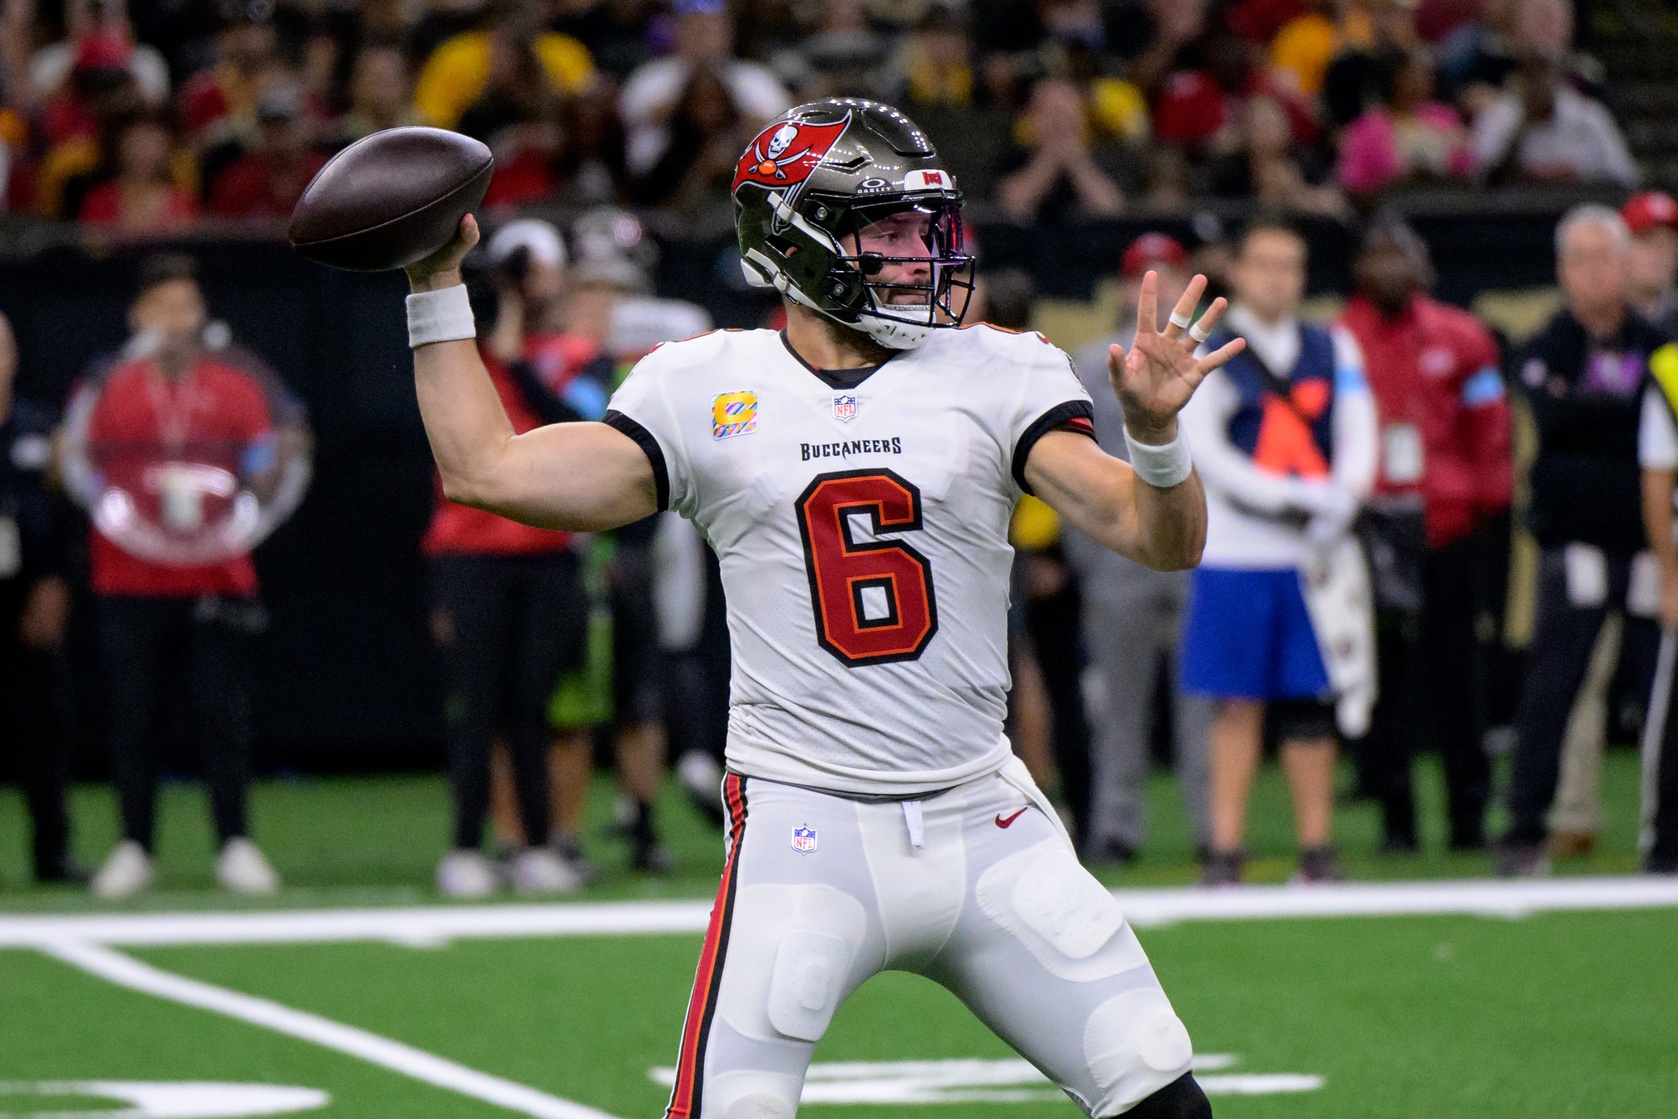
(863, 538)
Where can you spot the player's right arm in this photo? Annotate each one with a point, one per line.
(583, 477)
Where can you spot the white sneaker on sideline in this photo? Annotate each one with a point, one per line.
(702, 777)
(127, 870)
(540, 870)
(242, 868)
(466, 874)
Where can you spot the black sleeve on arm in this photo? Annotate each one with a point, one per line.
(655, 454)
(1074, 415)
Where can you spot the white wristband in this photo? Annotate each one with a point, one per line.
(440, 316)
(1161, 467)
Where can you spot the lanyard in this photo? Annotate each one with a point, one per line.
(172, 405)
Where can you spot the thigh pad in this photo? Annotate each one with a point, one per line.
(790, 954)
(1063, 916)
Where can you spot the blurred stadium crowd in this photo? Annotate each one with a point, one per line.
(188, 110)
(627, 117)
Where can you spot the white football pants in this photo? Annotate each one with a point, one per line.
(976, 888)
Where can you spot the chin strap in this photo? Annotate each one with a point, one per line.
(894, 333)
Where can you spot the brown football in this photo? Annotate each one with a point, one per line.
(390, 199)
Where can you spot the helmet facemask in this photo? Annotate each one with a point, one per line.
(831, 273)
(899, 313)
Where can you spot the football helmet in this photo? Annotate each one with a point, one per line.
(816, 176)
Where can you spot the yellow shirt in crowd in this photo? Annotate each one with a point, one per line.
(1307, 44)
(456, 73)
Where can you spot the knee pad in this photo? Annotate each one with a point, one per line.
(1063, 916)
(1183, 1098)
(1302, 718)
(1131, 1041)
(790, 953)
(751, 1095)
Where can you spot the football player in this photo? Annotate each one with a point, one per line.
(855, 474)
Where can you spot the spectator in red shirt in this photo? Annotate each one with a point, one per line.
(166, 415)
(95, 32)
(219, 103)
(1437, 522)
(98, 64)
(268, 181)
(508, 604)
(1200, 108)
(141, 197)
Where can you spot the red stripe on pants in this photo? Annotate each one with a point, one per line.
(684, 1098)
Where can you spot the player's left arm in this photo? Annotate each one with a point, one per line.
(1162, 527)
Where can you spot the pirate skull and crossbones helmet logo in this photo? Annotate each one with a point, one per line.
(773, 159)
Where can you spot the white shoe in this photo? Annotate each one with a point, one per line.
(466, 874)
(126, 872)
(702, 777)
(539, 870)
(242, 868)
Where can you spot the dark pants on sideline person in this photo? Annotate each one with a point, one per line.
(509, 626)
(1432, 684)
(1660, 774)
(1559, 658)
(30, 695)
(638, 669)
(199, 650)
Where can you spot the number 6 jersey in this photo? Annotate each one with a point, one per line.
(861, 520)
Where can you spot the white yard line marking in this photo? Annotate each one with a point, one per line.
(436, 925)
(1477, 897)
(417, 1064)
(1258, 1083)
(430, 925)
(983, 1080)
(162, 1099)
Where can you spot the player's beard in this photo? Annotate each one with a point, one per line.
(914, 297)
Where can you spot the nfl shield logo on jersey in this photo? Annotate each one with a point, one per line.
(804, 839)
(844, 408)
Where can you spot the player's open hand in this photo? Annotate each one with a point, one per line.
(442, 268)
(1159, 374)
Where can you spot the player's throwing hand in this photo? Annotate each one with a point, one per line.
(1159, 374)
(442, 268)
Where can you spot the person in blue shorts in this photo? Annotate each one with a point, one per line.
(1285, 438)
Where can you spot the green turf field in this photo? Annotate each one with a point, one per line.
(1559, 1015)
(1554, 1015)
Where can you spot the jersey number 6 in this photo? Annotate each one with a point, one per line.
(873, 598)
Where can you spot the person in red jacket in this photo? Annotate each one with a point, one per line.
(170, 423)
(1442, 486)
